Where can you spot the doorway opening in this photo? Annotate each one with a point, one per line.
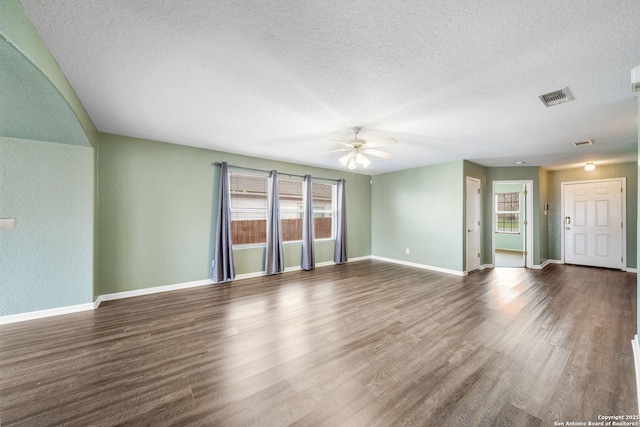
(512, 212)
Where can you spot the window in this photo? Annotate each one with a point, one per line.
(249, 209)
(324, 208)
(508, 212)
(291, 209)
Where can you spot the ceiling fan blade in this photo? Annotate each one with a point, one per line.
(381, 142)
(378, 153)
(339, 141)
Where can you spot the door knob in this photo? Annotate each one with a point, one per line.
(469, 231)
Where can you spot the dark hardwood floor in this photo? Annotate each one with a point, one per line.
(363, 344)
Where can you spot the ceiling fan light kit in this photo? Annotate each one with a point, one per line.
(354, 159)
(362, 160)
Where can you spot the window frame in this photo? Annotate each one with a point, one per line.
(499, 212)
(333, 212)
(299, 210)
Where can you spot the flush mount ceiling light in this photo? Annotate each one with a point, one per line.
(358, 147)
(589, 167)
(519, 162)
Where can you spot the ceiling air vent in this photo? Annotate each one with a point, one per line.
(581, 143)
(556, 97)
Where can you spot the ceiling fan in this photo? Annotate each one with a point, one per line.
(358, 147)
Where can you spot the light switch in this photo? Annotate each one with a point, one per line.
(8, 223)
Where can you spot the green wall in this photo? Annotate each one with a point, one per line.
(628, 170)
(420, 209)
(510, 241)
(155, 204)
(47, 260)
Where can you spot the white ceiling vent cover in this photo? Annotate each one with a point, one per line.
(556, 97)
(581, 143)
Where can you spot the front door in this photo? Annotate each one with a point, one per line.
(592, 223)
(473, 224)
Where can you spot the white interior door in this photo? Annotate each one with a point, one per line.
(593, 223)
(473, 224)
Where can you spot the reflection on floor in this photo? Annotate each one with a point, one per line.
(509, 258)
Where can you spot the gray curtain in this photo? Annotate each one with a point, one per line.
(308, 250)
(222, 268)
(274, 257)
(340, 254)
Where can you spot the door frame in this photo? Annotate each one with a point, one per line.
(466, 218)
(528, 229)
(623, 214)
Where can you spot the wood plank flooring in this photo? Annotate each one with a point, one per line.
(363, 344)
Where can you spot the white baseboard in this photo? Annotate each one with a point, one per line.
(544, 264)
(482, 267)
(249, 275)
(139, 292)
(636, 362)
(32, 315)
(423, 266)
(153, 290)
(631, 270)
(360, 258)
(318, 264)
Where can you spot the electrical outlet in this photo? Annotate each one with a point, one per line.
(407, 251)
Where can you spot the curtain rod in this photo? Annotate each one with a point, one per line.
(280, 173)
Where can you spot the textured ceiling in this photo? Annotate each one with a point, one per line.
(449, 80)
